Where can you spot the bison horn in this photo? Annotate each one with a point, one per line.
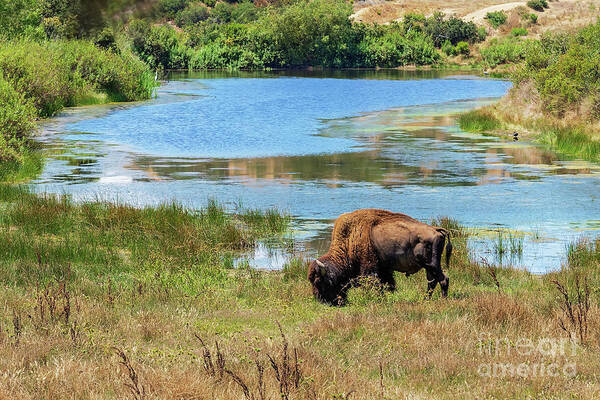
(321, 266)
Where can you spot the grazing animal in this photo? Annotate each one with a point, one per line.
(376, 243)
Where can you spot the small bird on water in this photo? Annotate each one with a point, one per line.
(516, 136)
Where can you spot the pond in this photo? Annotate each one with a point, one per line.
(317, 144)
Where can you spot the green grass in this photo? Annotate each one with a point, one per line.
(117, 239)
(574, 142)
(27, 168)
(478, 121)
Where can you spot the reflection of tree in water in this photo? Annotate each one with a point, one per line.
(400, 147)
(367, 166)
(424, 156)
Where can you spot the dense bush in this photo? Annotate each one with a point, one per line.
(106, 40)
(170, 8)
(52, 75)
(452, 29)
(393, 48)
(222, 12)
(496, 18)
(565, 70)
(160, 46)
(245, 12)
(313, 33)
(538, 5)
(316, 33)
(505, 50)
(461, 48)
(192, 14)
(17, 117)
(20, 18)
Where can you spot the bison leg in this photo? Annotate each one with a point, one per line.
(434, 268)
(387, 278)
(444, 283)
(432, 281)
(435, 276)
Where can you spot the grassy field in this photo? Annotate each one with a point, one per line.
(107, 301)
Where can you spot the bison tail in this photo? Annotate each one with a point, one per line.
(448, 251)
(446, 234)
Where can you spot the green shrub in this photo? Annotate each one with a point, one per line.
(221, 12)
(21, 18)
(531, 17)
(39, 74)
(453, 29)
(519, 32)
(481, 33)
(414, 22)
(52, 75)
(158, 46)
(393, 49)
(106, 40)
(192, 14)
(502, 51)
(312, 33)
(462, 48)
(300, 34)
(245, 12)
(496, 18)
(170, 8)
(565, 70)
(538, 5)
(121, 76)
(17, 116)
(447, 48)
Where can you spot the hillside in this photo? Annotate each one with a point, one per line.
(560, 15)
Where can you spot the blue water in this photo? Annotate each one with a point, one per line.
(318, 145)
(265, 117)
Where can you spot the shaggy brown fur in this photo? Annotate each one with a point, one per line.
(355, 252)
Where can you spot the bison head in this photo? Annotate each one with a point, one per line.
(324, 283)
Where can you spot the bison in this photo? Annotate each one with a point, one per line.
(376, 243)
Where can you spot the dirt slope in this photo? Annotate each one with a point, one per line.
(561, 15)
(479, 16)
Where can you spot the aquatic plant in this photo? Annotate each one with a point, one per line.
(507, 245)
